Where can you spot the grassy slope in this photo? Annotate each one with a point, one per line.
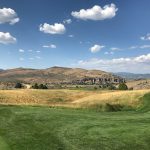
(43, 128)
(139, 84)
(71, 98)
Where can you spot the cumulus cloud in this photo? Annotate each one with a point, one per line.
(57, 28)
(67, 21)
(21, 50)
(146, 37)
(129, 64)
(96, 48)
(50, 46)
(96, 13)
(7, 38)
(8, 15)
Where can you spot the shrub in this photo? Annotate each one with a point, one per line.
(131, 88)
(41, 86)
(113, 107)
(35, 86)
(106, 107)
(111, 87)
(123, 86)
(95, 88)
(18, 86)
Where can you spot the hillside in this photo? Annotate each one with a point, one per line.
(139, 84)
(128, 75)
(53, 75)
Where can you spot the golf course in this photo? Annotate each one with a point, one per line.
(36, 127)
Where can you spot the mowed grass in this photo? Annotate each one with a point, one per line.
(71, 98)
(44, 128)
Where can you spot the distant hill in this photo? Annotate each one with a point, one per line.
(132, 75)
(51, 75)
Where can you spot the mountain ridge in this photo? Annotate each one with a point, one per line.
(128, 75)
(52, 75)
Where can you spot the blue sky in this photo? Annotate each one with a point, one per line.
(110, 35)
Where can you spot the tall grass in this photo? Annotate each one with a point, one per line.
(73, 98)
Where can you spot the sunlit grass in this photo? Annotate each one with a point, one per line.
(71, 98)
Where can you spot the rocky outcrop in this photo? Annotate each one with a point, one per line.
(100, 81)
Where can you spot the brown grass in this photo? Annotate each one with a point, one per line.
(139, 84)
(70, 98)
(129, 98)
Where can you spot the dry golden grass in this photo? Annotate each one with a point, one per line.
(129, 98)
(41, 96)
(138, 84)
(70, 98)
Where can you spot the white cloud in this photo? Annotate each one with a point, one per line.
(145, 46)
(67, 21)
(30, 50)
(21, 50)
(115, 49)
(133, 47)
(50, 46)
(96, 48)
(38, 51)
(109, 53)
(140, 47)
(57, 28)
(146, 38)
(129, 64)
(96, 13)
(8, 15)
(7, 38)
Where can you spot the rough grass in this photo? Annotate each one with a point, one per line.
(31, 97)
(73, 98)
(44, 128)
(124, 98)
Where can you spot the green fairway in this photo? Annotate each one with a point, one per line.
(43, 128)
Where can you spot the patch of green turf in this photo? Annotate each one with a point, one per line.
(43, 128)
(3, 144)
